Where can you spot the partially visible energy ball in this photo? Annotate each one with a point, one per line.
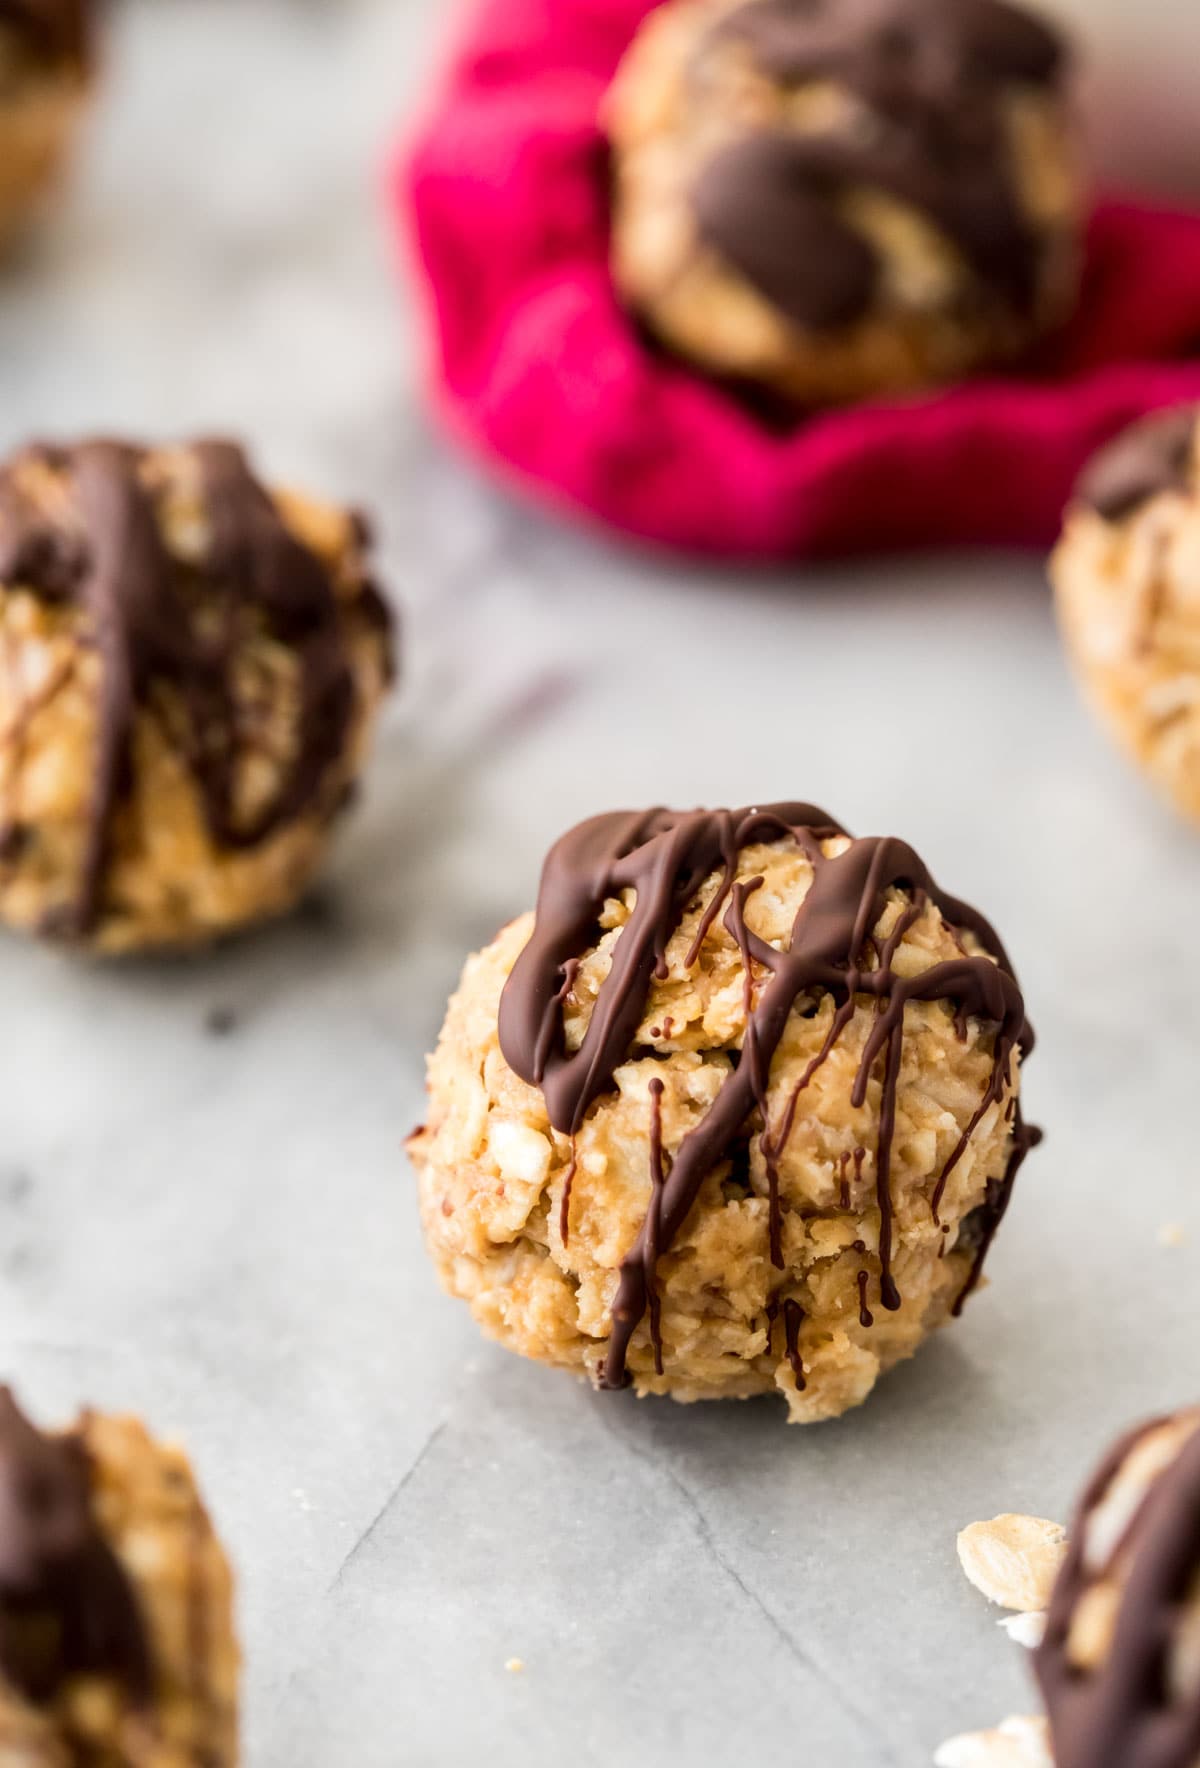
(1127, 581)
(190, 669)
(45, 73)
(735, 1112)
(1120, 1663)
(841, 198)
(117, 1646)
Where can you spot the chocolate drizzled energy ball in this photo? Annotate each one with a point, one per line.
(45, 67)
(1127, 581)
(1120, 1663)
(190, 668)
(116, 1631)
(841, 198)
(736, 1111)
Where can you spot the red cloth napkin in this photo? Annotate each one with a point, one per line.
(538, 368)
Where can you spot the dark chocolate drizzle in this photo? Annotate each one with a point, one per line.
(67, 1608)
(793, 1320)
(56, 30)
(663, 857)
(930, 74)
(141, 605)
(1121, 1714)
(1151, 457)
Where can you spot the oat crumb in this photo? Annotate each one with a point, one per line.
(1025, 1629)
(1017, 1743)
(1013, 1560)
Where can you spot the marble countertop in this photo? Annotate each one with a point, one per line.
(219, 1231)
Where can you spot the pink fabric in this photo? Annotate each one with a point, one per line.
(537, 367)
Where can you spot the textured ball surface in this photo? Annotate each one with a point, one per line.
(1127, 579)
(775, 1127)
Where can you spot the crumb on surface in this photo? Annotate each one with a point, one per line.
(1017, 1743)
(1026, 1629)
(1013, 1560)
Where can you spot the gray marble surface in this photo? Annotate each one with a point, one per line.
(219, 1231)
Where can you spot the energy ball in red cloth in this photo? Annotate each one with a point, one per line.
(735, 1112)
(540, 365)
(843, 198)
(45, 68)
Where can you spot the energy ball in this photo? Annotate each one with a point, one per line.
(45, 72)
(1119, 1666)
(116, 1632)
(835, 199)
(1127, 579)
(190, 668)
(736, 1111)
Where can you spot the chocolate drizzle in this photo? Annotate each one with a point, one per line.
(155, 621)
(1150, 458)
(1122, 1714)
(664, 857)
(67, 1608)
(653, 1229)
(929, 78)
(793, 1319)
